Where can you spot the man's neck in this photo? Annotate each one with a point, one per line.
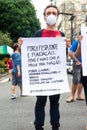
(51, 27)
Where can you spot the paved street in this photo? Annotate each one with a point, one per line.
(19, 114)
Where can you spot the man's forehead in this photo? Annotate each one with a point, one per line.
(51, 9)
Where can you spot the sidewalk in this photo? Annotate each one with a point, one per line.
(4, 74)
(19, 114)
(4, 77)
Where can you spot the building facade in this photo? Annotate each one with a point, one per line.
(73, 15)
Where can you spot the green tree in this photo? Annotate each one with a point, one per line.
(18, 17)
(5, 39)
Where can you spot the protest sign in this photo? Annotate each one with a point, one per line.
(84, 50)
(44, 66)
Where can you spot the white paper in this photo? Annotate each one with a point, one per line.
(44, 66)
(84, 50)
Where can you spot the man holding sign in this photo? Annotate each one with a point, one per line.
(51, 13)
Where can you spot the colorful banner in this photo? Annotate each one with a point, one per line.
(5, 50)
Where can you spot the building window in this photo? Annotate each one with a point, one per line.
(72, 6)
(83, 16)
(83, 7)
(53, 2)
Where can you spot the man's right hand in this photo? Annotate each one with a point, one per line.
(78, 63)
(20, 41)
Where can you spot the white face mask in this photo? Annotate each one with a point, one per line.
(51, 19)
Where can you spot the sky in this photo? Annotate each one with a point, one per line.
(40, 6)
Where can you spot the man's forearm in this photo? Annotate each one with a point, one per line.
(72, 55)
(78, 51)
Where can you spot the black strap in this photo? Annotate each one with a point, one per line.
(39, 33)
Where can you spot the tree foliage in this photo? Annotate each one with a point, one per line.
(18, 17)
(5, 39)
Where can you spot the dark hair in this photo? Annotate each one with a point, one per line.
(15, 46)
(54, 6)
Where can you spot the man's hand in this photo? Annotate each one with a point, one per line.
(78, 63)
(19, 74)
(20, 41)
(68, 42)
(80, 37)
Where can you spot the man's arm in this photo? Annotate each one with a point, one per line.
(74, 57)
(19, 73)
(78, 51)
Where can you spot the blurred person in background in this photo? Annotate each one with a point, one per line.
(10, 66)
(83, 78)
(16, 71)
(76, 82)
